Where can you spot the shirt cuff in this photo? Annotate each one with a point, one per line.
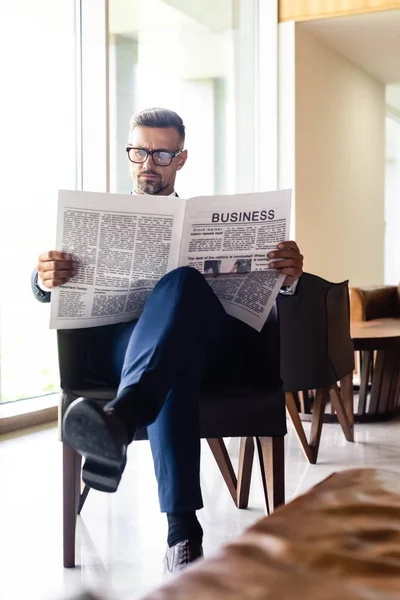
(290, 289)
(40, 284)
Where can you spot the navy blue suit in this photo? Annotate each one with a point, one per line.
(182, 341)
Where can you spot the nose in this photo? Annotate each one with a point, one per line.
(149, 161)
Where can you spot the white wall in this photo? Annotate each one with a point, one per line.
(339, 164)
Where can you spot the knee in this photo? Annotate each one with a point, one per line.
(188, 272)
(185, 280)
(184, 275)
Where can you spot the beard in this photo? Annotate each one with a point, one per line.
(149, 186)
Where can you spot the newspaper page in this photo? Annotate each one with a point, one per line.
(124, 244)
(228, 239)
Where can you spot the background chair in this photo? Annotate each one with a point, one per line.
(377, 366)
(377, 302)
(316, 352)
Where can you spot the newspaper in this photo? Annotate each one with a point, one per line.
(125, 243)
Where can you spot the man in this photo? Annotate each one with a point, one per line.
(183, 338)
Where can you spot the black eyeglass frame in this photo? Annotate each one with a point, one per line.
(151, 152)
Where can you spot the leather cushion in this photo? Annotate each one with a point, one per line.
(341, 541)
(375, 302)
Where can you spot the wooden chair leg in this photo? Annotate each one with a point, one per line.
(338, 404)
(305, 404)
(271, 451)
(263, 477)
(317, 421)
(82, 498)
(223, 461)
(347, 392)
(71, 475)
(298, 426)
(246, 455)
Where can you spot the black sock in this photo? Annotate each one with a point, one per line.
(126, 407)
(184, 526)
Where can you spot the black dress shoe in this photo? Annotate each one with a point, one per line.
(181, 555)
(100, 436)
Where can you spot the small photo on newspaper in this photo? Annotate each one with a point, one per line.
(124, 244)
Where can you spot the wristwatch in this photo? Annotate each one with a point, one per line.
(289, 289)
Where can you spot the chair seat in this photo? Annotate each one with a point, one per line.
(221, 410)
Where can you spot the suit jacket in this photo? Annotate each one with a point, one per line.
(39, 294)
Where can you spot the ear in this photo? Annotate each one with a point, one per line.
(182, 158)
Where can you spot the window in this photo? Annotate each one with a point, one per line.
(392, 205)
(37, 46)
(186, 56)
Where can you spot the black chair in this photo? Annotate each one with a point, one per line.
(317, 358)
(247, 412)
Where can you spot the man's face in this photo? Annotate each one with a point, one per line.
(149, 178)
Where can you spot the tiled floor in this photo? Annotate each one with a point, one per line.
(121, 537)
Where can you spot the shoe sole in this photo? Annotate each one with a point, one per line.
(85, 429)
(101, 477)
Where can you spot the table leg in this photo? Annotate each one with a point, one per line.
(366, 366)
(379, 374)
(397, 393)
(394, 388)
(346, 389)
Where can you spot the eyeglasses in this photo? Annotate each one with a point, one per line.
(162, 158)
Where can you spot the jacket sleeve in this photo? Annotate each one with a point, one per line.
(39, 294)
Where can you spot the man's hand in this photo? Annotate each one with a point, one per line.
(55, 268)
(290, 261)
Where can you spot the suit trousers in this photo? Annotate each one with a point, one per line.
(182, 343)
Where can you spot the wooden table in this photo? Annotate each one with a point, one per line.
(379, 338)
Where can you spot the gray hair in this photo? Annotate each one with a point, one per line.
(158, 117)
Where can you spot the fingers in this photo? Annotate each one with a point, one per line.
(55, 268)
(57, 265)
(56, 274)
(52, 283)
(287, 263)
(291, 245)
(54, 255)
(54, 278)
(287, 260)
(288, 268)
(287, 251)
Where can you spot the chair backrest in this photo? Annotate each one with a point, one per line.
(316, 349)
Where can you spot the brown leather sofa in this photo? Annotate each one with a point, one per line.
(378, 302)
(339, 541)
